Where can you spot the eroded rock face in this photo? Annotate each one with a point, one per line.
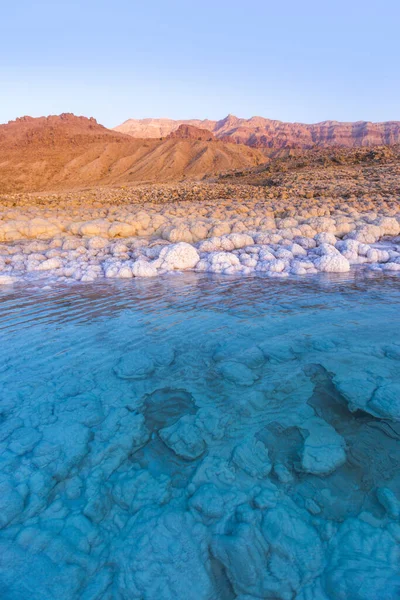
(260, 132)
(191, 132)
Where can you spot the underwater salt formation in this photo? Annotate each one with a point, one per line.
(206, 447)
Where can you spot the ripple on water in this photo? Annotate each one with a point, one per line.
(196, 437)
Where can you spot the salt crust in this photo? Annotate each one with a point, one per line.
(146, 244)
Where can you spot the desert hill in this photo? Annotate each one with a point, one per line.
(342, 173)
(259, 132)
(316, 158)
(67, 151)
(192, 132)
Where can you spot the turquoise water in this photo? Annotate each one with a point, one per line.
(196, 438)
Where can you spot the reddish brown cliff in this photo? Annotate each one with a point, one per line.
(266, 133)
(191, 132)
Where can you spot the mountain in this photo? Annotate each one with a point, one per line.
(258, 132)
(157, 128)
(65, 129)
(190, 132)
(66, 151)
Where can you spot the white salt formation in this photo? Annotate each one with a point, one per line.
(232, 237)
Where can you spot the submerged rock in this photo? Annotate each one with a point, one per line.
(385, 401)
(236, 372)
(134, 365)
(252, 457)
(324, 448)
(165, 406)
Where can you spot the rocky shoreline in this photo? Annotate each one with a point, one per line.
(153, 230)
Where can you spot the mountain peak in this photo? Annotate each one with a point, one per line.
(191, 132)
(230, 119)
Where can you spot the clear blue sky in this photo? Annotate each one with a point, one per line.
(302, 60)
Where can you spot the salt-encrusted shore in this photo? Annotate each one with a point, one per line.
(150, 231)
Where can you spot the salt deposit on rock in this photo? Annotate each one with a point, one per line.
(179, 256)
(141, 268)
(331, 263)
(116, 236)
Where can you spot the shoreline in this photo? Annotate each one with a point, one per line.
(214, 228)
(47, 278)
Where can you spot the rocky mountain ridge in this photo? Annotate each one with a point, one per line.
(65, 151)
(259, 132)
(191, 132)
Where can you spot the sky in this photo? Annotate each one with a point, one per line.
(303, 60)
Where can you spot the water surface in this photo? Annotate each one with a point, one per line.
(200, 438)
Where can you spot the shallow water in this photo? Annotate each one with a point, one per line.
(201, 438)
